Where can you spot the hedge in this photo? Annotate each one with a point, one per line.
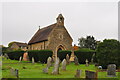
(108, 52)
(40, 55)
(84, 54)
(15, 55)
(62, 54)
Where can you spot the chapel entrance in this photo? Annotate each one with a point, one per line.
(60, 48)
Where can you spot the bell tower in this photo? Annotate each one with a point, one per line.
(60, 20)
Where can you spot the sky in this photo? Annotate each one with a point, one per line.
(20, 20)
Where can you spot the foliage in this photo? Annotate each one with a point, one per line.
(108, 52)
(62, 54)
(4, 49)
(81, 42)
(88, 42)
(84, 54)
(40, 55)
(15, 55)
(10, 44)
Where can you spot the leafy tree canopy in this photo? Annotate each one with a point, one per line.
(88, 42)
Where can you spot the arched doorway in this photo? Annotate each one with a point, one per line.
(60, 47)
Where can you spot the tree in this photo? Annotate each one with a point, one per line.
(108, 52)
(88, 42)
(81, 42)
(10, 44)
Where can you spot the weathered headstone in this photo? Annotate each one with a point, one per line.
(49, 62)
(64, 65)
(56, 67)
(67, 59)
(86, 62)
(78, 73)
(6, 56)
(90, 74)
(14, 72)
(20, 59)
(33, 61)
(76, 60)
(45, 70)
(111, 70)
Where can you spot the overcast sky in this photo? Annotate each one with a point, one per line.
(21, 19)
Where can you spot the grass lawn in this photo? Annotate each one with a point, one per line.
(35, 70)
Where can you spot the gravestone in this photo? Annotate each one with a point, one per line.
(45, 70)
(90, 74)
(64, 65)
(86, 62)
(67, 59)
(76, 60)
(78, 73)
(6, 56)
(33, 61)
(56, 67)
(14, 72)
(49, 62)
(111, 70)
(20, 59)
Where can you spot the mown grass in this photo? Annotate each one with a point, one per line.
(35, 70)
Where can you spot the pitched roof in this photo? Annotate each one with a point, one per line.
(42, 34)
(21, 44)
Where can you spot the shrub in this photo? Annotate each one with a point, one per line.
(84, 54)
(40, 55)
(15, 55)
(62, 54)
(108, 52)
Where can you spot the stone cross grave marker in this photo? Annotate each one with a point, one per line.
(64, 65)
(86, 62)
(111, 71)
(90, 74)
(56, 67)
(78, 73)
(67, 59)
(33, 61)
(49, 62)
(76, 60)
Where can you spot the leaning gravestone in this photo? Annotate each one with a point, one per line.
(64, 65)
(56, 67)
(78, 73)
(76, 60)
(33, 61)
(111, 71)
(49, 62)
(90, 74)
(14, 72)
(67, 59)
(20, 59)
(6, 56)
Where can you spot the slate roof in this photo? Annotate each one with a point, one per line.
(42, 34)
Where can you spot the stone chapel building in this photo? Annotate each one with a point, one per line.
(54, 37)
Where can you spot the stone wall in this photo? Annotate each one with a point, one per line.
(59, 37)
(39, 46)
